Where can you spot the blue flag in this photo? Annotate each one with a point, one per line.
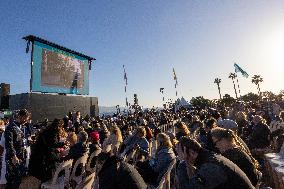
(239, 69)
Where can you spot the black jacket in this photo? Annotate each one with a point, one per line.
(243, 161)
(44, 155)
(217, 172)
(119, 175)
(260, 136)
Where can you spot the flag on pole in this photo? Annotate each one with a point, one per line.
(175, 77)
(239, 69)
(125, 76)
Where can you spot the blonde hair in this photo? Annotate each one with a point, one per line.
(115, 130)
(164, 140)
(181, 126)
(1, 122)
(72, 138)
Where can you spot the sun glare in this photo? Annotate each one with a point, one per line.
(274, 47)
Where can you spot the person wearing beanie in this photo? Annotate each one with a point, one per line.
(94, 146)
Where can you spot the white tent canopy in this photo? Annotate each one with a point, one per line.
(182, 103)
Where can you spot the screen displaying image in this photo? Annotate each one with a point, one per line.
(59, 70)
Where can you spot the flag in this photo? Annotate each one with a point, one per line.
(239, 69)
(175, 77)
(125, 76)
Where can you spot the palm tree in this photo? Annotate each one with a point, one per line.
(218, 81)
(233, 77)
(256, 79)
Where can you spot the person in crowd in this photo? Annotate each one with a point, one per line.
(277, 125)
(95, 142)
(230, 147)
(45, 153)
(138, 141)
(77, 121)
(15, 150)
(72, 138)
(103, 132)
(181, 130)
(209, 170)
(79, 149)
(94, 146)
(3, 180)
(115, 173)
(149, 133)
(2, 127)
(153, 170)
(114, 140)
(152, 125)
(260, 136)
(205, 134)
(243, 123)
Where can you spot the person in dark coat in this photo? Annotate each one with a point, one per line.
(230, 147)
(44, 153)
(260, 136)
(212, 170)
(115, 173)
(15, 150)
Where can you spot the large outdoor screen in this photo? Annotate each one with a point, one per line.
(58, 71)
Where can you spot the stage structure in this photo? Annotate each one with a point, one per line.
(59, 79)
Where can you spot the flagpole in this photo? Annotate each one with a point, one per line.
(125, 86)
(238, 84)
(176, 82)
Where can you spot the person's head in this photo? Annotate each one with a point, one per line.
(241, 116)
(141, 132)
(181, 127)
(164, 140)
(82, 137)
(210, 124)
(72, 138)
(23, 116)
(95, 137)
(258, 119)
(2, 123)
(188, 149)
(223, 139)
(172, 138)
(78, 114)
(116, 131)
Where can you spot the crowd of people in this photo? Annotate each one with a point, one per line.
(208, 148)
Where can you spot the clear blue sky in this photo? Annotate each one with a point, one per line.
(200, 39)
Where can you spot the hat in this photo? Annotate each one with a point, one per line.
(95, 135)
